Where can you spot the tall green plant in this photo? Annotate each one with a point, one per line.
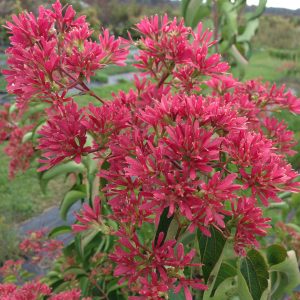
(232, 28)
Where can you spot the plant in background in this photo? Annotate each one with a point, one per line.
(175, 175)
(233, 29)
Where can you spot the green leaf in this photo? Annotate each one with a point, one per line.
(27, 137)
(59, 230)
(12, 108)
(184, 7)
(226, 289)
(227, 270)
(276, 254)
(287, 276)
(65, 168)
(255, 272)
(243, 290)
(210, 250)
(70, 198)
(258, 12)
(195, 11)
(249, 31)
(164, 224)
(200, 13)
(178, 296)
(74, 271)
(113, 285)
(84, 285)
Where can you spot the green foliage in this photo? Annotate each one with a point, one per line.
(277, 32)
(254, 270)
(164, 224)
(9, 240)
(100, 77)
(235, 31)
(211, 249)
(285, 273)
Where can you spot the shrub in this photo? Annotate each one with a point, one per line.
(173, 175)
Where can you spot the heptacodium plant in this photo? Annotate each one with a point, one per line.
(174, 175)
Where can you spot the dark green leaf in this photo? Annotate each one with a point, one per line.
(210, 250)
(164, 224)
(178, 296)
(255, 272)
(84, 285)
(59, 230)
(70, 198)
(184, 7)
(276, 254)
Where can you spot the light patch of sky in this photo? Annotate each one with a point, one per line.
(290, 4)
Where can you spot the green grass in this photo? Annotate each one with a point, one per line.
(104, 92)
(2, 83)
(100, 77)
(262, 65)
(114, 70)
(21, 197)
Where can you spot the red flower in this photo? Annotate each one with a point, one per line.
(192, 147)
(282, 138)
(19, 152)
(249, 224)
(90, 218)
(64, 136)
(137, 263)
(115, 51)
(29, 291)
(206, 65)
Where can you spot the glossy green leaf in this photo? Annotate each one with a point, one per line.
(64, 168)
(164, 224)
(84, 285)
(243, 289)
(276, 254)
(59, 230)
(70, 198)
(254, 270)
(68, 167)
(210, 250)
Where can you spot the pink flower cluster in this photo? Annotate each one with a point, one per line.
(35, 291)
(52, 53)
(191, 142)
(39, 247)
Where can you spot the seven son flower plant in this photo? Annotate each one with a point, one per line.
(187, 154)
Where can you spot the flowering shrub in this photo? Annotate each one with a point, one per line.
(175, 173)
